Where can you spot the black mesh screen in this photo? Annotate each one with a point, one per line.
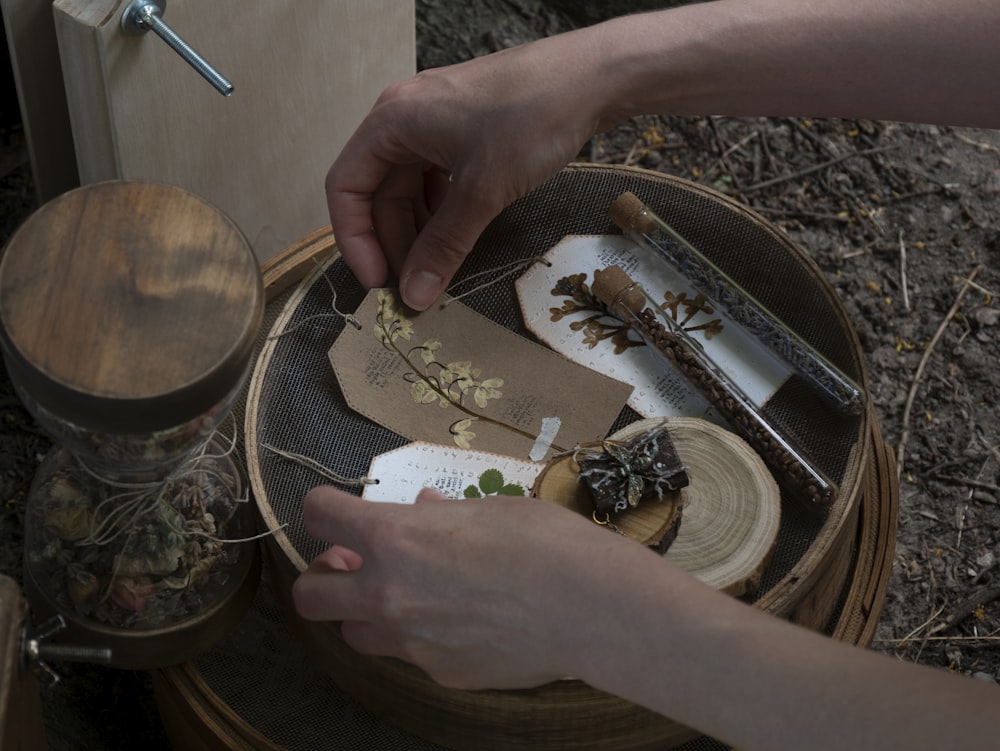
(302, 410)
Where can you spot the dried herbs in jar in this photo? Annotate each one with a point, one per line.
(129, 312)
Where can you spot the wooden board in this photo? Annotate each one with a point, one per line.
(21, 727)
(34, 57)
(305, 73)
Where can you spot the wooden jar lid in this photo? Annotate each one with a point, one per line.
(129, 307)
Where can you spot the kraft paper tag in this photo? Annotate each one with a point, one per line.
(451, 376)
(559, 309)
(455, 472)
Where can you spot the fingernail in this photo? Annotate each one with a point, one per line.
(330, 564)
(421, 288)
(431, 494)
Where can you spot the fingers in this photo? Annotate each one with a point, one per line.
(336, 559)
(316, 594)
(411, 222)
(350, 188)
(323, 595)
(403, 204)
(430, 495)
(382, 188)
(328, 514)
(397, 213)
(445, 241)
(446, 666)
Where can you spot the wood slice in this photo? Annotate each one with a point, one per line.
(731, 509)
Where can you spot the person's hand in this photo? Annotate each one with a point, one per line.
(487, 593)
(440, 155)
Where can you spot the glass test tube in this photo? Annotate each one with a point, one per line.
(641, 225)
(657, 328)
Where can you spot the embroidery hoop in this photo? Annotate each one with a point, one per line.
(845, 566)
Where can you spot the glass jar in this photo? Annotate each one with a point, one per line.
(129, 312)
(130, 553)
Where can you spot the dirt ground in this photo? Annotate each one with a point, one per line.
(903, 219)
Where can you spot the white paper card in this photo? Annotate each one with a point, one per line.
(457, 473)
(584, 335)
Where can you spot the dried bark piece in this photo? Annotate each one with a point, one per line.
(731, 508)
(622, 474)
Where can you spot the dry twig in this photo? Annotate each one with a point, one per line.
(620, 157)
(905, 434)
(969, 483)
(967, 608)
(905, 641)
(902, 272)
(979, 145)
(814, 168)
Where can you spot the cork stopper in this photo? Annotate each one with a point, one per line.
(613, 287)
(631, 215)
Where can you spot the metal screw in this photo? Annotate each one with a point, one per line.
(141, 16)
(35, 650)
(67, 652)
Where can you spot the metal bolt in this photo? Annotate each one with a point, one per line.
(35, 651)
(141, 16)
(66, 652)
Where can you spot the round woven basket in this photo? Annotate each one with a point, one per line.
(828, 572)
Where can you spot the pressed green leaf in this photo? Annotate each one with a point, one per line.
(472, 492)
(511, 489)
(491, 481)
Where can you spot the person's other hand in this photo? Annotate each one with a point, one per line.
(488, 593)
(440, 155)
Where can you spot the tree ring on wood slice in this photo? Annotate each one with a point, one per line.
(731, 508)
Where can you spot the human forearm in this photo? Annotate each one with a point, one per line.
(543, 593)
(439, 156)
(761, 683)
(916, 60)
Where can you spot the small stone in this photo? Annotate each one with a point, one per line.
(985, 316)
(991, 186)
(954, 655)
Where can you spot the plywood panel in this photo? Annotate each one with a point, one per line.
(305, 72)
(34, 57)
(21, 726)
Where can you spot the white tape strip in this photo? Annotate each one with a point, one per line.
(550, 427)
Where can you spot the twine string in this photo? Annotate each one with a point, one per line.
(320, 469)
(503, 272)
(337, 313)
(120, 513)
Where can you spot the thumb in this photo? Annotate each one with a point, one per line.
(430, 495)
(442, 245)
(334, 559)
